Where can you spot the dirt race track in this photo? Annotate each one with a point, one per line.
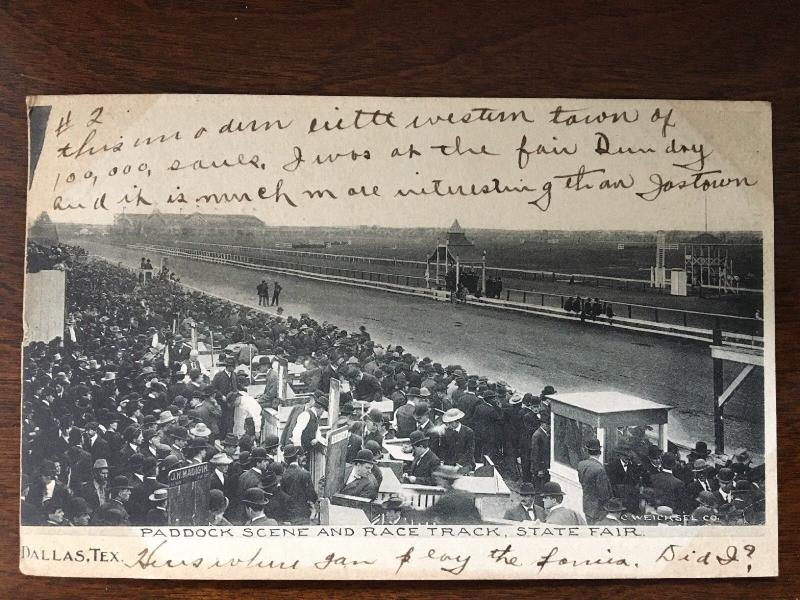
(524, 350)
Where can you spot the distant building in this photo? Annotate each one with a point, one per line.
(158, 224)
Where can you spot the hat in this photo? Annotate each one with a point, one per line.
(200, 430)
(548, 390)
(592, 445)
(453, 414)
(290, 451)
(198, 444)
(120, 482)
(743, 486)
(515, 399)
(178, 432)
(421, 409)
(159, 495)
(220, 458)
(217, 502)
(706, 498)
(135, 461)
(725, 475)
(488, 395)
(230, 439)
(364, 456)
(413, 392)
(165, 418)
(321, 400)
(664, 511)
(79, 507)
(394, 503)
(374, 447)
(654, 453)
(258, 453)
(100, 463)
(527, 489)
(701, 449)
(668, 460)
(375, 415)
(417, 437)
(700, 465)
(270, 441)
(256, 497)
(614, 505)
(269, 479)
(424, 393)
(551, 488)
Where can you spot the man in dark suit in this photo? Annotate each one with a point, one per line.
(297, 483)
(93, 443)
(225, 383)
(524, 510)
(457, 445)
(78, 460)
(670, 490)
(95, 492)
(625, 477)
(724, 494)
(139, 503)
(358, 478)
(113, 511)
(486, 420)
(467, 402)
(252, 477)
(594, 481)
(540, 453)
(699, 483)
(404, 416)
(365, 387)
(529, 423)
(47, 487)
(425, 461)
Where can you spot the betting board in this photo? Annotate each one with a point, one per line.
(335, 456)
(187, 499)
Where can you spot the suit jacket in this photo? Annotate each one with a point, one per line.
(486, 421)
(368, 388)
(364, 487)
(99, 449)
(596, 488)
(139, 504)
(530, 424)
(111, 513)
(405, 420)
(88, 492)
(517, 513)
(155, 517)
(80, 467)
(625, 483)
(561, 515)
(669, 490)
(249, 479)
(36, 495)
(540, 451)
(458, 447)
(297, 484)
(424, 467)
(432, 433)
(466, 403)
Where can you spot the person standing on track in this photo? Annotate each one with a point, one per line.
(276, 292)
(263, 293)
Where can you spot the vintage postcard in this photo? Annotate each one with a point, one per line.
(276, 337)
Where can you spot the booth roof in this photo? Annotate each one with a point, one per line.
(606, 402)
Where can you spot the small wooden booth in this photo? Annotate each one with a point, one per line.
(612, 418)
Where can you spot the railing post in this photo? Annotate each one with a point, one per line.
(630, 313)
(656, 313)
(524, 297)
(562, 301)
(684, 319)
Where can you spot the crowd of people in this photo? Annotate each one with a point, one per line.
(122, 399)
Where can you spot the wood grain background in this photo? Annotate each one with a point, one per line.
(686, 50)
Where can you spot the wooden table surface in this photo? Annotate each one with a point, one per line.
(686, 50)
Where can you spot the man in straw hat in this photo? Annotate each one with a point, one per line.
(157, 515)
(457, 446)
(594, 481)
(557, 514)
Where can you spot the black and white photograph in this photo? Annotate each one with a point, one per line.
(456, 317)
